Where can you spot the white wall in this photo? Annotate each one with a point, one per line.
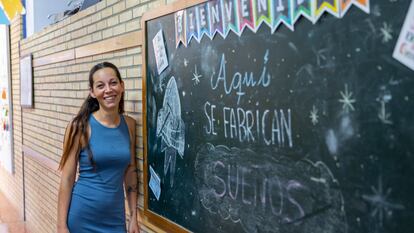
(6, 135)
(37, 12)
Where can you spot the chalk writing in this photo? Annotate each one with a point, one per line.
(271, 127)
(239, 80)
(268, 193)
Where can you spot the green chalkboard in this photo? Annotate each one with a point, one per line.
(310, 130)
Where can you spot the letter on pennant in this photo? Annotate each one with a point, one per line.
(231, 21)
(262, 12)
(191, 23)
(203, 21)
(216, 18)
(180, 27)
(246, 16)
(282, 13)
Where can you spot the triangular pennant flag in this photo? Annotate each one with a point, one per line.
(12, 8)
(230, 15)
(203, 21)
(262, 12)
(331, 6)
(180, 28)
(216, 18)
(246, 15)
(282, 13)
(191, 24)
(304, 8)
(346, 4)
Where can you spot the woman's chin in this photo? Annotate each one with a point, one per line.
(109, 106)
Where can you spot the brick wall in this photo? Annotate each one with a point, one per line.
(59, 90)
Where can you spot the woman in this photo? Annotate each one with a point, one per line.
(101, 140)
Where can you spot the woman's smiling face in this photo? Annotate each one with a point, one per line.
(107, 88)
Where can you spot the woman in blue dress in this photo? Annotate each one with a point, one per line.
(100, 140)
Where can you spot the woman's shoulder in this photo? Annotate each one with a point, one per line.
(131, 122)
(129, 118)
(76, 123)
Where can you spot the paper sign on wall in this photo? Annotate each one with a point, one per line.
(155, 183)
(160, 53)
(404, 50)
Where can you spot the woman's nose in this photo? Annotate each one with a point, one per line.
(107, 88)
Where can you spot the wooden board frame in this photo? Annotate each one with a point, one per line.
(154, 218)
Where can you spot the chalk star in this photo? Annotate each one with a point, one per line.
(347, 100)
(314, 115)
(196, 76)
(386, 32)
(379, 202)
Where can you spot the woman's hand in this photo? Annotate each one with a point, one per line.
(133, 226)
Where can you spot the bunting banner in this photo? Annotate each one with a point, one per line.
(223, 16)
(9, 9)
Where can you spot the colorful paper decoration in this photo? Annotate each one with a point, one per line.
(223, 16)
(9, 9)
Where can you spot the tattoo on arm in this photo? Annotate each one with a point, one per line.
(132, 169)
(131, 189)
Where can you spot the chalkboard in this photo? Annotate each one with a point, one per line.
(310, 130)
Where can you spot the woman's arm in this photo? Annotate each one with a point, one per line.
(67, 179)
(131, 181)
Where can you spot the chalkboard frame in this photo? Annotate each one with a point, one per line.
(361, 191)
(150, 216)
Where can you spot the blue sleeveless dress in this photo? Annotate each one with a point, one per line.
(97, 204)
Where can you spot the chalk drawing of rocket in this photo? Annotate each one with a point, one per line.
(171, 128)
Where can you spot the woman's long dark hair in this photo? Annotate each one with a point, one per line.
(79, 126)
